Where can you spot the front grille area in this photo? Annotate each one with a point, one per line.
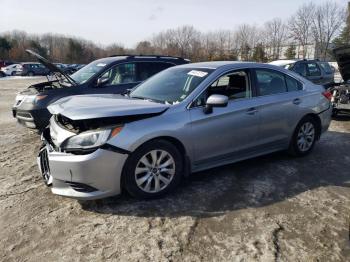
(80, 187)
(44, 165)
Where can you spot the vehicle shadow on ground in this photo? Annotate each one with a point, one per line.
(252, 183)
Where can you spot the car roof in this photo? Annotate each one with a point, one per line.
(29, 63)
(282, 62)
(217, 64)
(120, 58)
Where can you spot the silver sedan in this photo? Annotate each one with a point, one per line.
(185, 119)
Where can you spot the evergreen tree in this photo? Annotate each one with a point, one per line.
(259, 53)
(5, 47)
(290, 52)
(75, 51)
(38, 48)
(245, 51)
(344, 37)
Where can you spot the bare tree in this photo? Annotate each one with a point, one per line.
(247, 37)
(300, 26)
(275, 35)
(144, 47)
(327, 21)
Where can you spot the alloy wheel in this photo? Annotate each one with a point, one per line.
(154, 171)
(306, 136)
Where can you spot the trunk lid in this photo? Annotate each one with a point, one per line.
(342, 55)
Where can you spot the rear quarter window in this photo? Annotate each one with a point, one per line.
(326, 67)
(292, 84)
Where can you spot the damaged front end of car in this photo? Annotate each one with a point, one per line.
(341, 92)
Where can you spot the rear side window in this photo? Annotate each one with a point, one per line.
(326, 67)
(313, 69)
(270, 82)
(148, 69)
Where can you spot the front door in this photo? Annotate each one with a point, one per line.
(227, 132)
(115, 80)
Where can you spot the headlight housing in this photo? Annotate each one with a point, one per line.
(90, 139)
(34, 98)
(29, 99)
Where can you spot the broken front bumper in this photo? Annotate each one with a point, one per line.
(89, 176)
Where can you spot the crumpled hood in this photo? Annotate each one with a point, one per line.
(97, 106)
(342, 55)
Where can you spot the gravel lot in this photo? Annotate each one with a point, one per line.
(272, 208)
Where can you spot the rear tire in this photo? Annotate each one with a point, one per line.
(304, 137)
(153, 170)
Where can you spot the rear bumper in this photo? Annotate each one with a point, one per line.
(339, 106)
(91, 176)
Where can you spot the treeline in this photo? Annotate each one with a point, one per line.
(322, 26)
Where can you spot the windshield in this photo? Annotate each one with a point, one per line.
(85, 73)
(172, 85)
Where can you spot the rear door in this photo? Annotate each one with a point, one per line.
(276, 108)
(145, 70)
(314, 73)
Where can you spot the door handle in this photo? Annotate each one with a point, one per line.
(252, 111)
(296, 101)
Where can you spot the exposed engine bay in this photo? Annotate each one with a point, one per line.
(340, 98)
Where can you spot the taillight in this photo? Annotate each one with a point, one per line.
(327, 95)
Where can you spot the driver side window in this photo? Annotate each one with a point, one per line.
(120, 74)
(234, 85)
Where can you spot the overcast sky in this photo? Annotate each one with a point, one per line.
(130, 21)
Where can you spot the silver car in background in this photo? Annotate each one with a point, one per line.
(185, 119)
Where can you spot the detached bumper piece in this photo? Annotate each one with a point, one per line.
(43, 162)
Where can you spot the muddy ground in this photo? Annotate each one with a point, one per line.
(272, 208)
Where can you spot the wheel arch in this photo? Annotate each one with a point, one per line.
(317, 120)
(174, 141)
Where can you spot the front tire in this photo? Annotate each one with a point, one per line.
(30, 74)
(153, 170)
(304, 137)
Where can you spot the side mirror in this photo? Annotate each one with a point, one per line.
(101, 81)
(215, 101)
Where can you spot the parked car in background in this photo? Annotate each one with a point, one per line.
(71, 69)
(10, 70)
(316, 71)
(32, 69)
(111, 75)
(184, 119)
